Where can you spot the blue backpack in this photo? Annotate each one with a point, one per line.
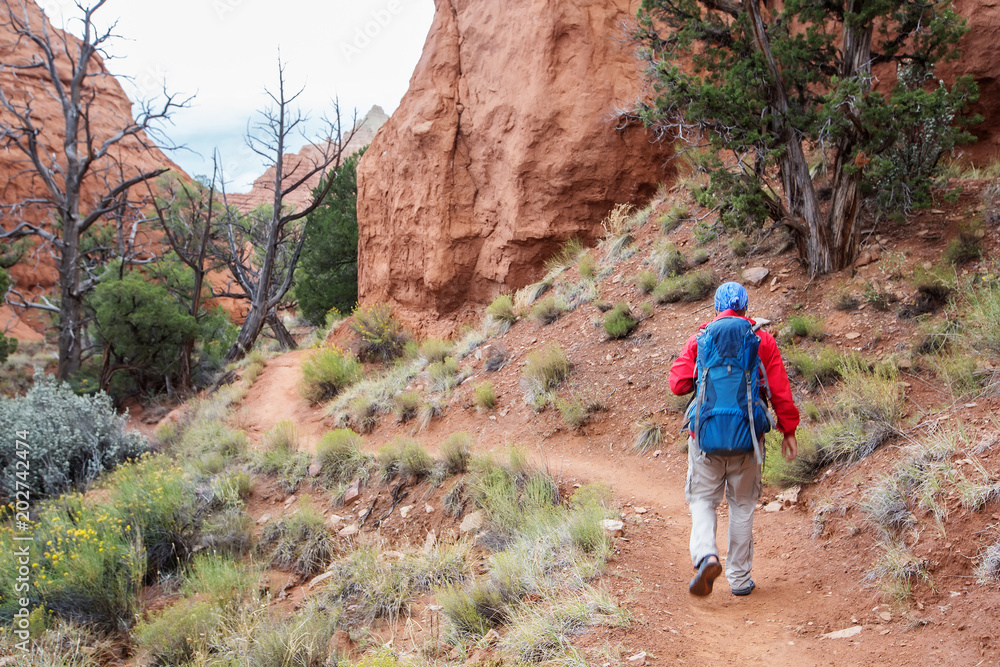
(727, 416)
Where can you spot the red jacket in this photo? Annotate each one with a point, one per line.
(683, 371)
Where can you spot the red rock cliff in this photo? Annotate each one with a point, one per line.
(501, 149)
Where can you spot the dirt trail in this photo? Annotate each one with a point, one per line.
(801, 593)
(275, 397)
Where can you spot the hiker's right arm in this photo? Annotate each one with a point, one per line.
(682, 372)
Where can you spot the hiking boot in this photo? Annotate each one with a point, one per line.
(708, 570)
(746, 590)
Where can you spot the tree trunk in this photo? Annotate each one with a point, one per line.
(71, 303)
(251, 328)
(285, 339)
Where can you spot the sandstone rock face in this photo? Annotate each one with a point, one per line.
(263, 188)
(504, 146)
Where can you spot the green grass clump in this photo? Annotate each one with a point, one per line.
(325, 373)
(872, 394)
(444, 375)
(573, 411)
(620, 247)
(704, 233)
(689, 287)
(220, 579)
(544, 370)
(816, 368)
(231, 489)
(739, 246)
(502, 309)
(566, 256)
(486, 396)
(405, 457)
(646, 281)
(229, 532)
(587, 265)
(456, 451)
(340, 456)
(619, 321)
(299, 543)
(699, 257)
(474, 611)
(958, 371)
(180, 632)
(968, 245)
(301, 640)
(673, 218)
(896, 571)
(668, 260)
(982, 315)
(406, 405)
(878, 296)
(988, 569)
(435, 350)
(380, 335)
(804, 326)
(548, 310)
(284, 436)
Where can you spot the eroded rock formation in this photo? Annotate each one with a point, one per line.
(504, 146)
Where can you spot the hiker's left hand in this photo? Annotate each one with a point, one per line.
(789, 446)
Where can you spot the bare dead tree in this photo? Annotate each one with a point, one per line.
(262, 248)
(86, 160)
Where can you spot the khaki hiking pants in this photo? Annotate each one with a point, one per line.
(707, 478)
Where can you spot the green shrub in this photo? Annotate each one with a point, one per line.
(302, 640)
(699, 257)
(475, 611)
(545, 369)
(874, 395)
(502, 309)
(486, 396)
(435, 350)
(456, 451)
(340, 457)
(988, 569)
(231, 489)
(806, 326)
(704, 232)
(228, 533)
(878, 296)
(646, 281)
(574, 413)
(982, 315)
(406, 404)
(673, 218)
(405, 457)
(221, 580)
(668, 260)
(57, 440)
(299, 543)
(380, 335)
(283, 436)
(619, 321)
(968, 245)
(816, 368)
(739, 246)
(444, 375)
(958, 371)
(566, 256)
(587, 265)
(548, 310)
(689, 287)
(179, 632)
(155, 501)
(326, 372)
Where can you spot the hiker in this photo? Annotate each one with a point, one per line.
(727, 420)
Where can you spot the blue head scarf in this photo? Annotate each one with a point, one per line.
(731, 296)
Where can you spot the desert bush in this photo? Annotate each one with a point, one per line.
(874, 395)
(231, 489)
(444, 375)
(326, 372)
(587, 265)
(406, 404)
(739, 245)
(804, 326)
(620, 247)
(646, 281)
(435, 350)
(502, 309)
(988, 569)
(302, 640)
(617, 221)
(672, 219)
(548, 310)
(667, 260)
(982, 315)
(704, 233)
(486, 396)
(283, 436)
(845, 300)
(816, 368)
(699, 257)
(649, 436)
(568, 253)
(57, 440)
(619, 321)
(689, 287)
(340, 457)
(222, 580)
(228, 533)
(968, 245)
(896, 570)
(299, 543)
(405, 457)
(456, 450)
(473, 611)
(573, 411)
(957, 370)
(878, 296)
(380, 335)
(934, 286)
(544, 370)
(179, 632)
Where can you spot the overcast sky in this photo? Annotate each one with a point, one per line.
(224, 52)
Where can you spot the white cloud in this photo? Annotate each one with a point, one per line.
(226, 51)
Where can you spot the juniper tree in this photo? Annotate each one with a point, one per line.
(848, 85)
